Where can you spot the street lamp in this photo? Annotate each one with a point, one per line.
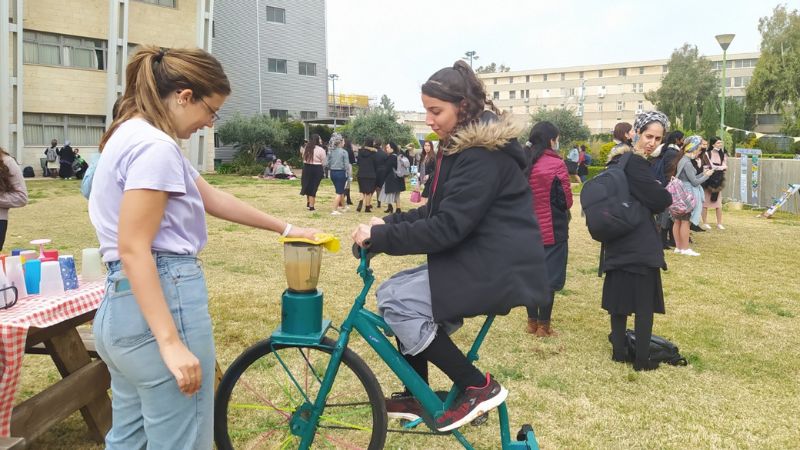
(333, 78)
(469, 56)
(724, 41)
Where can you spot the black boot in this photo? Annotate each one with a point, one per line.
(368, 209)
(389, 208)
(379, 203)
(347, 195)
(398, 210)
(360, 205)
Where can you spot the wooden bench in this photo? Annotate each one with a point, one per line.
(86, 336)
(12, 443)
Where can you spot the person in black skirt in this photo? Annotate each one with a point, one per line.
(366, 174)
(381, 168)
(426, 169)
(314, 157)
(632, 263)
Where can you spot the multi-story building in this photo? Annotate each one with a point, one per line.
(62, 66)
(347, 105)
(608, 93)
(274, 52)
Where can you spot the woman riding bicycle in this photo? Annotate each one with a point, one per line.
(484, 249)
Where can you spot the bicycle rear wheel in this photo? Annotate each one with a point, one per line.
(257, 399)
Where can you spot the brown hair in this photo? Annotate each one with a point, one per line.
(308, 152)
(153, 74)
(621, 130)
(459, 85)
(5, 174)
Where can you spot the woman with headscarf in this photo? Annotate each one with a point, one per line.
(683, 168)
(632, 263)
(65, 157)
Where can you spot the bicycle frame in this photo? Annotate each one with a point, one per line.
(374, 331)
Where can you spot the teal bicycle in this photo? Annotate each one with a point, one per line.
(300, 388)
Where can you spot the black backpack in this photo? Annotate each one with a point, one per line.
(27, 172)
(611, 212)
(661, 350)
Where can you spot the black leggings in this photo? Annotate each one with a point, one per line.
(542, 313)
(445, 355)
(3, 229)
(643, 327)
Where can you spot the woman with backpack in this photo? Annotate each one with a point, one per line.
(632, 263)
(712, 187)
(394, 182)
(366, 174)
(13, 192)
(484, 253)
(552, 199)
(683, 169)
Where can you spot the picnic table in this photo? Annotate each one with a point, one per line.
(48, 325)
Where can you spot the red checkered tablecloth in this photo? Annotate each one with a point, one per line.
(40, 312)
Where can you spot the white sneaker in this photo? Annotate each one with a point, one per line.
(690, 252)
(336, 213)
(706, 226)
(677, 250)
(719, 225)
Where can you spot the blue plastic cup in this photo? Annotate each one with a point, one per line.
(33, 275)
(68, 273)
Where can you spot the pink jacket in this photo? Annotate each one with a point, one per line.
(552, 197)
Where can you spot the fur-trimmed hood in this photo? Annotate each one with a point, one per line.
(622, 148)
(491, 133)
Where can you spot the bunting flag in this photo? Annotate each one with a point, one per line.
(760, 135)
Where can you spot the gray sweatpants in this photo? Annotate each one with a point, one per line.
(404, 302)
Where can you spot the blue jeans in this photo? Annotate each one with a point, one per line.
(149, 411)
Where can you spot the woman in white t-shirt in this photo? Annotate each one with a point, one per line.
(148, 206)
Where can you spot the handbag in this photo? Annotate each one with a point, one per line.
(416, 197)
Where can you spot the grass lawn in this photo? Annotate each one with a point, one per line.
(733, 311)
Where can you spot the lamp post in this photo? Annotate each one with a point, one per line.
(724, 42)
(469, 56)
(333, 78)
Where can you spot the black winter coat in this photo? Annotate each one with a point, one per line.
(381, 166)
(366, 162)
(642, 247)
(480, 234)
(393, 183)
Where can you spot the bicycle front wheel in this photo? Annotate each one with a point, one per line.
(271, 386)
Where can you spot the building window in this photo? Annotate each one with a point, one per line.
(544, 77)
(276, 65)
(277, 15)
(169, 3)
(494, 80)
(527, 78)
(599, 74)
(279, 114)
(39, 129)
(623, 72)
(619, 106)
(640, 106)
(307, 115)
(563, 76)
(512, 95)
(527, 93)
(58, 50)
(510, 80)
(599, 107)
(664, 68)
(580, 75)
(307, 68)
(641, 70)
(496, 95)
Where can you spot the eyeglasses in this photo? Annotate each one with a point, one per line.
(214, 115)
(5, 303)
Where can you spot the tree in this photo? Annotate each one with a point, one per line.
(251, 134)
(381, 125)
(492, 68)
(776, 79)
(387, 104)
(689, 82)
(570, 126)
(432, 136)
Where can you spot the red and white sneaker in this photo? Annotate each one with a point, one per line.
(472, 403)
(403, 405)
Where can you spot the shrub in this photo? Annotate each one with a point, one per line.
(250, 170)
(604, 151)
(226, 169)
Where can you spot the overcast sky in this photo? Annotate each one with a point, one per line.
(391, 47)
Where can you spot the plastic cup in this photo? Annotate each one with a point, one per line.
(15, 276)
(68, 273)
(16, 251)
(49, 254)
(29, 254)
(51, 283)
(33, 274)
(91, 265)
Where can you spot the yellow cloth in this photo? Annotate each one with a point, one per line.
(329, 241)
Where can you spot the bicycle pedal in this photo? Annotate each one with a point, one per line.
(480, 420)
(522, 434)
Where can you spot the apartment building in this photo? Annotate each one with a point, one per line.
(274, 52)
(608, 93)
(62, 66)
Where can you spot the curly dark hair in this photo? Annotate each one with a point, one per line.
(5, 174)
(459, 85)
